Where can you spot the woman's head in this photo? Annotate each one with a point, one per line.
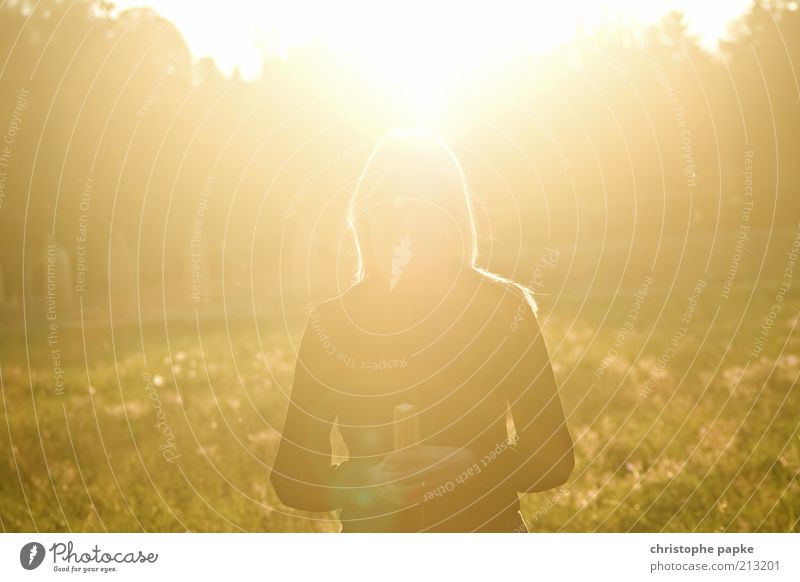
(412, 206)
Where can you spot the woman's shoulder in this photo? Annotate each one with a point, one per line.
(341, 307)
(479, 290)
(506, 294)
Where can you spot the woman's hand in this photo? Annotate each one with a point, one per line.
(405, 477)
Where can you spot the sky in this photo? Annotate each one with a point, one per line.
(407, 35)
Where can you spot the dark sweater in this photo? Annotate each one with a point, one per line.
(464, 353)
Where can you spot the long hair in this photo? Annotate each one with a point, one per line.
(417, 157)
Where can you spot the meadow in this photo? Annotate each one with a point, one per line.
(179, 436)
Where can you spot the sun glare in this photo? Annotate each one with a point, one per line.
(416, 46)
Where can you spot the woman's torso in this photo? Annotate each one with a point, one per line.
(438, 347)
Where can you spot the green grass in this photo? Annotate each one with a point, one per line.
(713, 447)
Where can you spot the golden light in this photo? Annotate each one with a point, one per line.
(416, 46)
(245, 232)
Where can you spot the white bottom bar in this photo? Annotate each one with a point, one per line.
(407, 557)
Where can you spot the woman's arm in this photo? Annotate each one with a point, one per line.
(542, 456)
(302, 474)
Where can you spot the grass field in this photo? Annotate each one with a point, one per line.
(701, 437)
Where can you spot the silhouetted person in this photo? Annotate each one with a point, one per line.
(422, 325)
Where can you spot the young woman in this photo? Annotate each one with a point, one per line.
(422, 326)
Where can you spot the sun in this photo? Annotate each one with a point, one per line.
(416, 46)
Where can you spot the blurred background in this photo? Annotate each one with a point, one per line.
(173, 184)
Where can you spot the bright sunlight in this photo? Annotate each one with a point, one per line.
(418, 266)
(404, 43)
